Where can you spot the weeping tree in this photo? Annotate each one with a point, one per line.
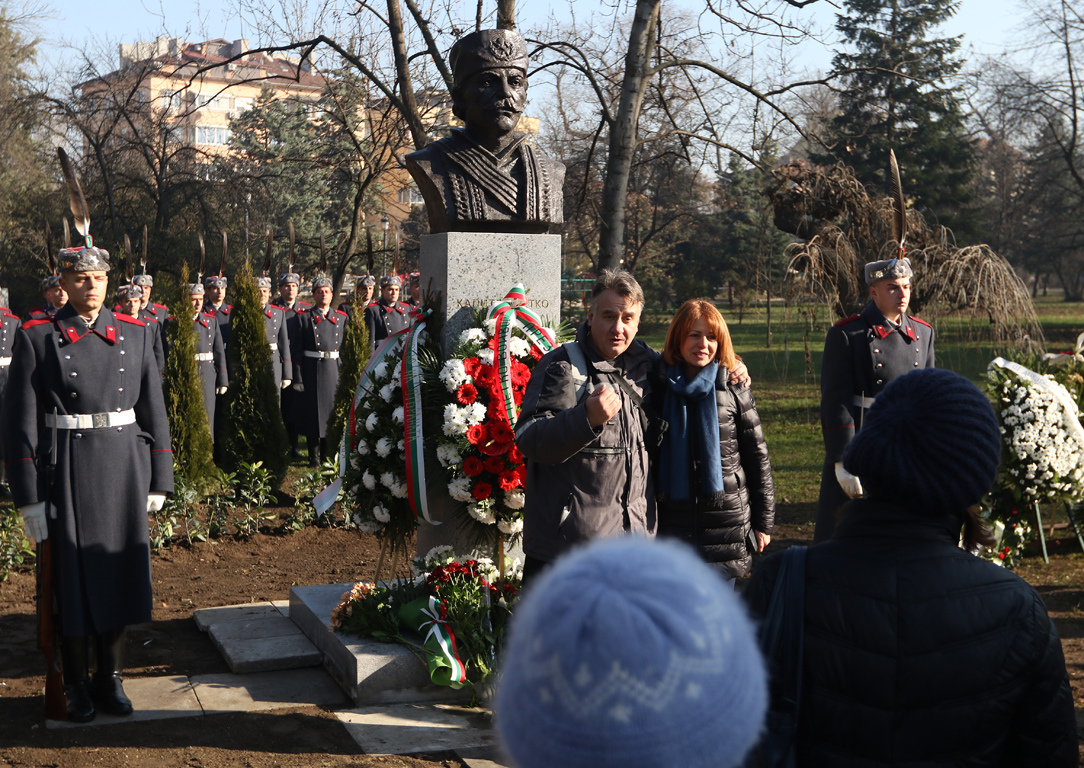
(839, 227)
(254, 429)
(193, 451)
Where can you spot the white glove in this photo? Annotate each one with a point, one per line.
(850, 484)
(299, 387)
(34, 521)
(155, 501)
(221, 390)
(285, 383)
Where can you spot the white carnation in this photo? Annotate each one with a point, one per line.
(371, 422)
(447, 454)
(380, 371)
(459, 489)
(486, 356)
(381, 514)
(510, 527)
(455, 420)
(453, 374)
(369, 480)
(519, 347)
(399, 490)
(362, 448)
(475, 413)
(397, 415)
(514, 499)
(482, 513)
(383, 447)
(387, 392)
(401, 445)
(490, 326)
(472, 336)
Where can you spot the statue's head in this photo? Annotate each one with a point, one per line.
(489, 80)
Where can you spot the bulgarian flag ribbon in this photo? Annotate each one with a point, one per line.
(411, 385)
(509, 314)
(327, 497)
(426, 616)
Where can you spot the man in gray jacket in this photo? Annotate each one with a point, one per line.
(580, 430)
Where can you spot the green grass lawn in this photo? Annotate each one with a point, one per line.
(786, 374)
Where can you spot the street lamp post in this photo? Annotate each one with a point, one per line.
(384, 249)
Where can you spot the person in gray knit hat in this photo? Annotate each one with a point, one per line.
(630, 653)
(917, 652)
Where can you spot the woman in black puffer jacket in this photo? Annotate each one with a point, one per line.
(715, 481)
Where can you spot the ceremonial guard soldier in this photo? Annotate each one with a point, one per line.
(316, 345)
(364, 286)
(862, 354)
(215, 297)
(210, 352)
(275, 325)
(289, 285)
(9, 324)
(85, 382)
(388, 315)
(55, 298)
(415, 299)
(129, 302)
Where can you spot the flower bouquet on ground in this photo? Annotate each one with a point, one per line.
(1042, 460)
(453, 614)
(484, 380)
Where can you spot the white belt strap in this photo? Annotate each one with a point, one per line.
(274, 346)
(204, 357)
(91, 420)
(863, 402)
(323, 355)
(5, 361)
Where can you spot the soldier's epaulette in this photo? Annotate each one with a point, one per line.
(303, 304)
(36, 322)
(161, 306)
(846, 320)
(917, 320)
(7, 313)
(372, 303)
(151, 319)
(276, 306)
(340, 312)
(302, 310)
(129, 319)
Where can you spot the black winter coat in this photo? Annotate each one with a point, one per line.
(719, 525)
(920, 654)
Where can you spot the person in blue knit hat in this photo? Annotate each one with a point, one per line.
(630, 653)
(917, 652)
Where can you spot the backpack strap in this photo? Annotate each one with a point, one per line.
(579, 369)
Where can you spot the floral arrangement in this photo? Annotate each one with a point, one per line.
(458, 608)
(1042, 451)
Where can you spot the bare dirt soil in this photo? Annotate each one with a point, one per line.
(264, 568)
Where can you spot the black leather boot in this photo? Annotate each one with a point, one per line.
(73, 655)
(108, 687)
(314, 451)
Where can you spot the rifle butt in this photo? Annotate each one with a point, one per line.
(56, 708)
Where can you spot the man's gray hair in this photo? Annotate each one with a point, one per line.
(620, 282)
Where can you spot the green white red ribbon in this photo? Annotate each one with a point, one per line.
(410, 381)
(509, 314)
(426, 616)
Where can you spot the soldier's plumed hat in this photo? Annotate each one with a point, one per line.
(263, 282)
(888, 269)
(143, 279)
(86, 259)
(486, 49)
(322, 282)
(389, 280)
(415, 278)
(49, 282)
(289, 277)
(215, 281)
(129, 291)
(194, 289)
(360, 280)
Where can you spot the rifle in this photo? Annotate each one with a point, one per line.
(55, 706)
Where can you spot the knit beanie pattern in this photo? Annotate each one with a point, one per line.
(630, 653)
(930, 438)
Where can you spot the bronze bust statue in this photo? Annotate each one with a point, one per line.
(486, 177)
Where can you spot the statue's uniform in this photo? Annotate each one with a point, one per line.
(211, 361)
(315, 353)
(862, 354)
(112, 450)
(385, 319)
(275, 326)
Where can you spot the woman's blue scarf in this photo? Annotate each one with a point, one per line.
(694, 419)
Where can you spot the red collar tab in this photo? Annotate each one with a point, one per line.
(72, 334)
(880, 331)
(910, 333)
(110, 334)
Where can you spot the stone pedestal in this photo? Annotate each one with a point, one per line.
(471, 270)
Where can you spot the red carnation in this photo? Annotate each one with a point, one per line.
(466, 394)
(482, 491)
(515, 455)
(509, 480)
(501, 432)
(477, 434)
(494, 465)
(473, 466)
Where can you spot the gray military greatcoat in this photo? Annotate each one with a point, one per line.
(316, 365)
(279, 339)
(112, 450)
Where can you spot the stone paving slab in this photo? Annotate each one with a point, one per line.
(404, 729)
(262, 691)
(154, 698)
(369, 671)
(267, 654)
(483, 757)
(206, 617)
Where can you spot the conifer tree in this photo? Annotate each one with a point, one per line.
(254, 430)
(193, 453)
(897, 94)
(354, 355)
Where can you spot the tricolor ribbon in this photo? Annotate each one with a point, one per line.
(410, 382)
(509, 314)
(326, 499)
(426, 616)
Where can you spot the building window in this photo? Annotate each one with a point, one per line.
(170, 100)
(411, 195)
(210, 134)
